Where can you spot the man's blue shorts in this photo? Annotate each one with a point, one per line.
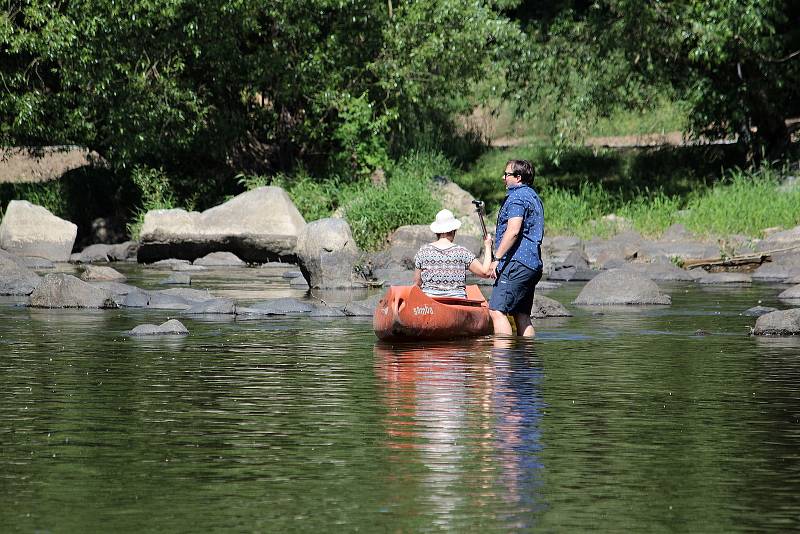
(514, 288)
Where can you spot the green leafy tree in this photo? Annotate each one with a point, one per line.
(205, 89)
(735, 63)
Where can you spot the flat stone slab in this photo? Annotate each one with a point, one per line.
(281, 306)
(169, 263)
(212, 307)
(326, 311)
(724, 278)
(32, 262)
(173, 327)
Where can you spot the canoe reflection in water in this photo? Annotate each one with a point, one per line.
(462, 424)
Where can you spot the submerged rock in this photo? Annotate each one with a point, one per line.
(758, 311)
(173, 327)
(281, 306)
(177, 279)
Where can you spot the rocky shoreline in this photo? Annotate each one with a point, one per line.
(263, 225)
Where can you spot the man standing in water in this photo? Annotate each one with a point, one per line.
(518, 267)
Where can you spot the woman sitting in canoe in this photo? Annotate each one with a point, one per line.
(441, 267)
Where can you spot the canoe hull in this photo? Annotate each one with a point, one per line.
(406, 313)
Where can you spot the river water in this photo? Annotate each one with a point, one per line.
(646, 419)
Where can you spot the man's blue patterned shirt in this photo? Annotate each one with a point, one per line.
(522, 201)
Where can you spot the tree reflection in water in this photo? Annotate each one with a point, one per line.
(462, 428)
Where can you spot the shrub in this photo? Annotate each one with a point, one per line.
(373, 212)
(745, 202)
(156, 194)
(50, 195)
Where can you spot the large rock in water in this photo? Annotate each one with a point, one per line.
(59, 290)
(15, 278)
(31, 230)
(778, 323)
(619, 286)
(326, 253)
(258, 226)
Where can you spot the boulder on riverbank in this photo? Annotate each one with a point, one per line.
(619, 286)
(31, 230)
(258, 226)
(60, 290)
(327, 254)
(173, 327)
(778, 323)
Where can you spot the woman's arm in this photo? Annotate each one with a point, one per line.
(418, 277)
(483, 269)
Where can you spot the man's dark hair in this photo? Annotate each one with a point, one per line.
(523, 169)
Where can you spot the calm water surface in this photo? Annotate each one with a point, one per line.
(618, 420)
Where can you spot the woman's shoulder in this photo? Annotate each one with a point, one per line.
(464, 251)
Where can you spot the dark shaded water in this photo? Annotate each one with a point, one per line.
(625, 421)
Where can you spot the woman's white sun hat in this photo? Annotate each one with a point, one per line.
(445, 222)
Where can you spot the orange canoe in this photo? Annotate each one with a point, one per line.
(405, 312)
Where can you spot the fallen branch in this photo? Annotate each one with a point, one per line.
(736, 261)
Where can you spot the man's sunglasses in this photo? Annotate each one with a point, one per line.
(507, 174)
